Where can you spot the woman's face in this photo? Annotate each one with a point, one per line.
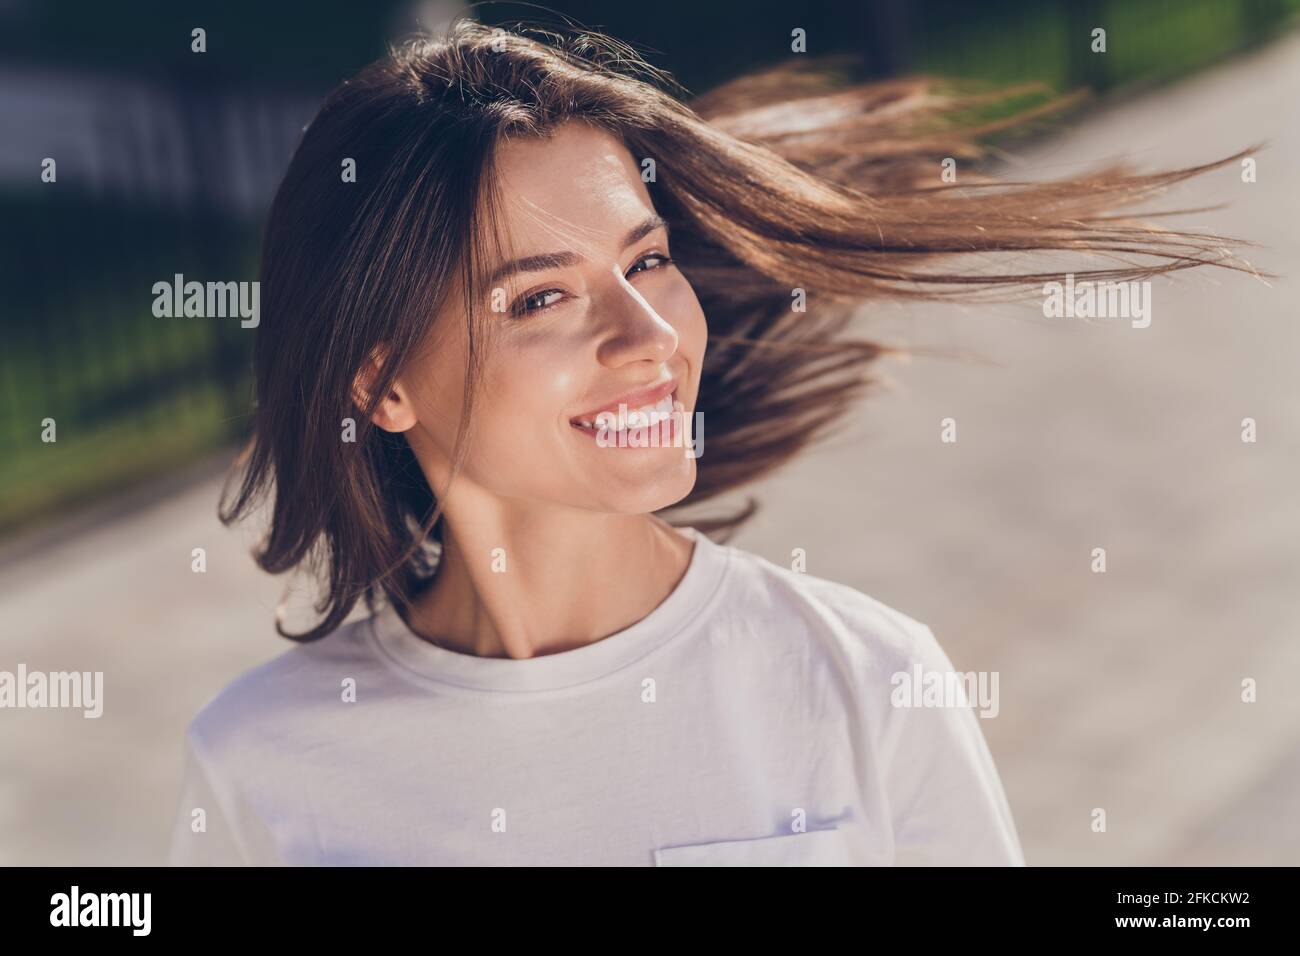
(589, 314)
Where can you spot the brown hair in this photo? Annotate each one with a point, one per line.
(781, 180)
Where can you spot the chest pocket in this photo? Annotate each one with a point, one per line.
(811, 848)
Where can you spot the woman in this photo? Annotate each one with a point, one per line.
(489, 280)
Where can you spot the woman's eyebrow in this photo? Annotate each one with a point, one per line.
(559, 260)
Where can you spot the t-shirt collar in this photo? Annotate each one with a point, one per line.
(675, 615)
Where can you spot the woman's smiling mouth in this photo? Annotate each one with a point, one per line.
(644, 406)
(611, 423)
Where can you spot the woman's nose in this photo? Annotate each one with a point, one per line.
(630, 329)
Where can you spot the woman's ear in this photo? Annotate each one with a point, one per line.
(395, 413)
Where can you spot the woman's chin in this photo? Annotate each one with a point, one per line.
(649, 490)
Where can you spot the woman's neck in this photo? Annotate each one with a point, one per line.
(542, 582)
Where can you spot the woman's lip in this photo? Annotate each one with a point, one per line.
(595, 426)
(637, 399)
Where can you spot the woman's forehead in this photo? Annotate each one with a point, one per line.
(579, 186)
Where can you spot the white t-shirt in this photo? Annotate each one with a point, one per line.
(748, 719)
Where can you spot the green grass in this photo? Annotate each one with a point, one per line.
(42, 478)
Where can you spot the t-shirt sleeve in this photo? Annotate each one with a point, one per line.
(225, 833)
(946, 800)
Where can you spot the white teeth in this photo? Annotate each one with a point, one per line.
(625, 418)
(640, 417)
(652, 414)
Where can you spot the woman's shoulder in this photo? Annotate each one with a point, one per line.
(860, 625)
(265, 701)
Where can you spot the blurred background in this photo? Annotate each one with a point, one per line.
(1119, 690)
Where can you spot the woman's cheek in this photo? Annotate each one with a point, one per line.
(682, 310)
(531, 388)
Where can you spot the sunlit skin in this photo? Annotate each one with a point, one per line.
(584, 556)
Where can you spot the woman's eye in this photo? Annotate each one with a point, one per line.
(655, 260)
(536, 301)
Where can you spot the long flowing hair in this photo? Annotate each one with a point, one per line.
(783, 182)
